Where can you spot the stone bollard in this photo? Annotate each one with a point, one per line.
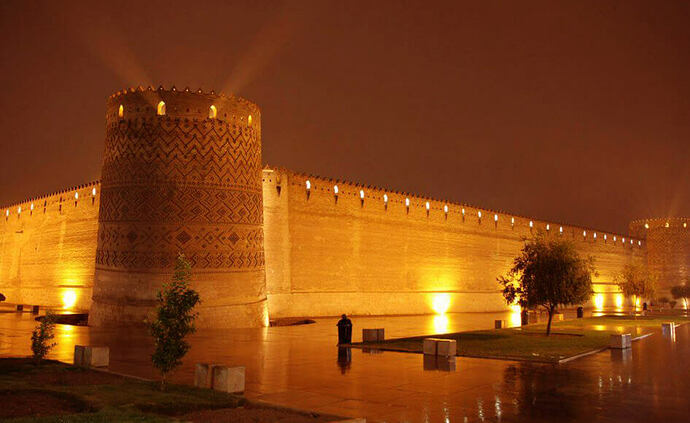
(20, 307)
(203, 375)
(580, 312)
(88, 356)
(373, 335)
(34, 309)
(668, 329)
(621, 341)
(440, 346)
(499, 324)
(558, 317)
(228, 379)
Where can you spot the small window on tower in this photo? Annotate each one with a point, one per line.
(121, 111)
(161, 108)
(212, 112)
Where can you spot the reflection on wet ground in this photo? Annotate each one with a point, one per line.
(301, 367)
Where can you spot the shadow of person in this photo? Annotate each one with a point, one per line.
(344, 359)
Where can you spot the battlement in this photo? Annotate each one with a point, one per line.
(74, 195)
(640, 227)
(435, 210)
(149, 103)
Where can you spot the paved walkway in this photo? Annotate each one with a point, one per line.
(300, 367)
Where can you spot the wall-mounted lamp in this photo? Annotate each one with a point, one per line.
(308, 186)
(407, 205)
(385, 201)
(335, 192)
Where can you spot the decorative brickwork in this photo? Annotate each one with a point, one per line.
(180, 182)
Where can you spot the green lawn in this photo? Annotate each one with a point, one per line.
(569, 338)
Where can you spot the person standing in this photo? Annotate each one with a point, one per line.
(344, 330)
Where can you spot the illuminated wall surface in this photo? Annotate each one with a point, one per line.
(185, 176)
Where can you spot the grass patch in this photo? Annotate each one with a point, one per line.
(568, 338)
(56, 392)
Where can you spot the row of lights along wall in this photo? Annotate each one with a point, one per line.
(446, 210)
(45, 204)
(160, 111)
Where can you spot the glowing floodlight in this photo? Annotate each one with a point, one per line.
(548, 227)
(605, 236)
(7, 212)
(584, 234)
(407, 202)
(32, 206)
(440, 303)
(595, 235)
(646, 225)
(639, 242)
(619, 300)
(623, 240)
(249, 120)
(445, 209)
(19, 210)
(69, 299)
(614, 238)
(463, 212)
(560, 229)
(512, 220)
(666, 225)
(479, 214)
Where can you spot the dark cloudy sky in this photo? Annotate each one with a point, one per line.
(575, 111)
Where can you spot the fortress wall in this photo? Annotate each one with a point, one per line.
(48, 254)
(362, 257)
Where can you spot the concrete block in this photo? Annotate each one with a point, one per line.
(446, 347)
(621, 341)
(668, 329)
(429, 346)
(558, 317)
(373, 335)
(203, 375)
(499, 324)
(88, 356)
(20, 307)
(35, 309)
(228, 379)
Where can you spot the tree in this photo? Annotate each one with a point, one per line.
(548, 274)
(681, 292)
(174, 319)
(41, 337)
(636, 281)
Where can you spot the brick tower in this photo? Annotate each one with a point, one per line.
(668, 249)
(181, 173)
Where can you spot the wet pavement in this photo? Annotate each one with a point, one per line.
(301, 367)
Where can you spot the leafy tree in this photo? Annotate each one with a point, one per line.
(663, 300)
(681, 292)
(636, 281)
(41, 337)
(548, 273)
(174, 319)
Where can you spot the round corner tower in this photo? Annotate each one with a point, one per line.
(181, 174)
(668, 249)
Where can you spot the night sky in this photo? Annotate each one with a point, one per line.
(576, 112)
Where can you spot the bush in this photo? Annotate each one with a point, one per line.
(41, 337)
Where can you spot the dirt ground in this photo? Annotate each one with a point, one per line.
(35, 403)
